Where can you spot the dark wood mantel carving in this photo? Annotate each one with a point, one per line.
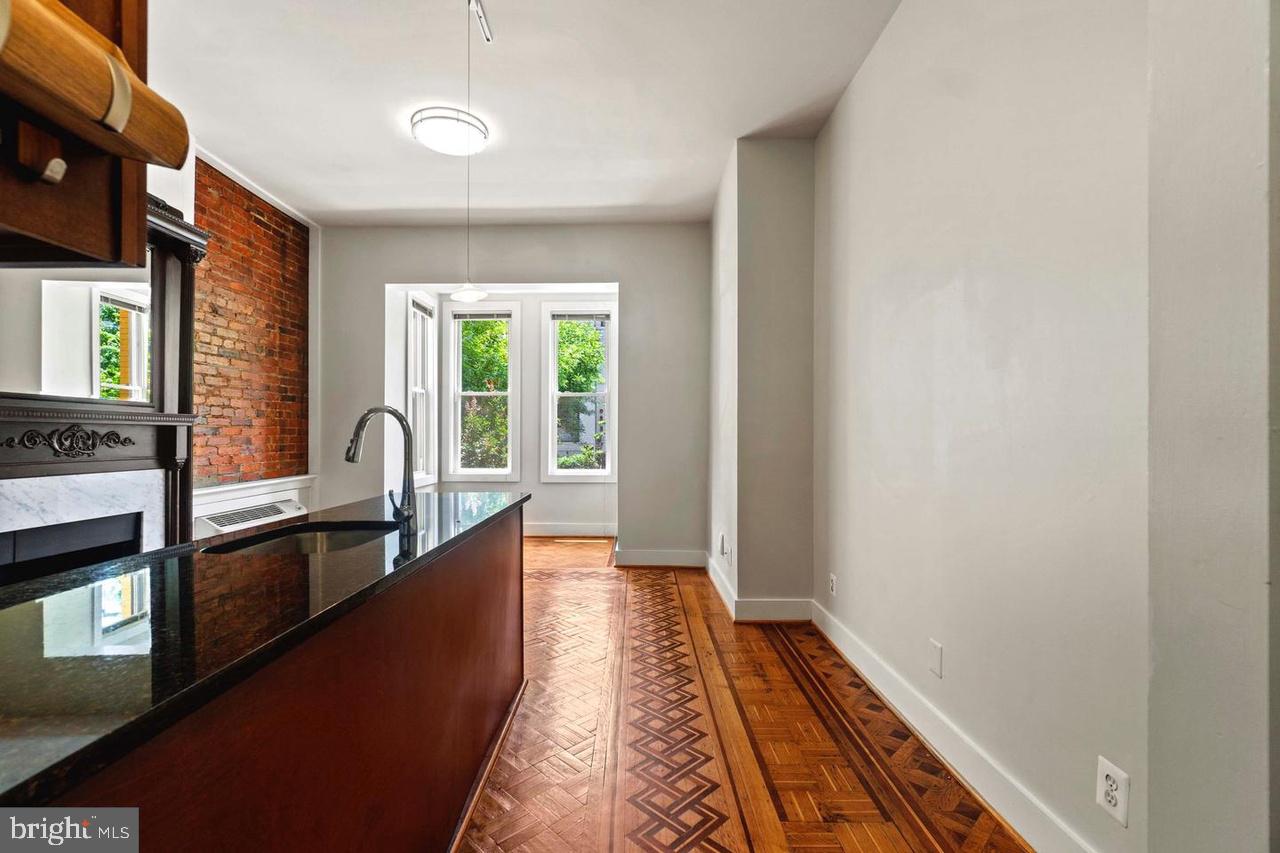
(43, 436)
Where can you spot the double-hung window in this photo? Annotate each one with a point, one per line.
(579, 383)
(421, 401)
(483, 419)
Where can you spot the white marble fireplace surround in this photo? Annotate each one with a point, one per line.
(28, 502)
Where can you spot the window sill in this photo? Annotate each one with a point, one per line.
(557, 477)
(460, 477)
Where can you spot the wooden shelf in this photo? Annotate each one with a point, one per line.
(72, 89)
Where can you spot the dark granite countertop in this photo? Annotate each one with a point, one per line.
(96, 661)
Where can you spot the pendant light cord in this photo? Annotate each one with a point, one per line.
(467, 7)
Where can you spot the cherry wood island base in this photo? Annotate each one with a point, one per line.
(371, 734)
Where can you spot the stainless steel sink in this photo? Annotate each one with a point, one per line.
(314, 538)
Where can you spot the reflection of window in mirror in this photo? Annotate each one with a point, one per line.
(95, 340)
(123, 340)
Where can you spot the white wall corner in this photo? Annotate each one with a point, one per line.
(755, 609)
(660, 557)
(1025, 812)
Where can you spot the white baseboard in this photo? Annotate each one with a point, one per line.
(720, 580)
(655, 557)
(1043, 829)
(568, 529)
(755, 609)
(773, 610)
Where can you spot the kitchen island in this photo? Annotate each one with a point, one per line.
(332, 681)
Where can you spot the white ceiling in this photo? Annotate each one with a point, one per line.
(621, 110)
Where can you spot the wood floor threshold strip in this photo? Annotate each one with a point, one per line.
(482, 778)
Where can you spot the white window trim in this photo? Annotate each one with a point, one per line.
(430, 475)
(449, 415)
(550, 473)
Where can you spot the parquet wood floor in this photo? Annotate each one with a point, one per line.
(653, 722)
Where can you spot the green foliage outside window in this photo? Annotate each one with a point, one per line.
(484, 355)
(579, 356)
(485, 360)
(587, 459)
(580, 363)
(109, 351)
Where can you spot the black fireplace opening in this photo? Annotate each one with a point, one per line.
(40, 551)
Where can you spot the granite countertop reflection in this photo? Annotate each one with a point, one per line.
(95, 661)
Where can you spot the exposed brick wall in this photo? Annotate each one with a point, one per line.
(251, 337)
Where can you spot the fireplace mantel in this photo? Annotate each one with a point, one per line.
(43, 436)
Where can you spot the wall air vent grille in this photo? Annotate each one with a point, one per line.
(243, 516)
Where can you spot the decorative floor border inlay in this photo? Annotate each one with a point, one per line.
(653, 722)
(673, 772)
(947, 815)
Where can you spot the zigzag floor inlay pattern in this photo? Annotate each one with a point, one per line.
(653, 722)
(674, 777)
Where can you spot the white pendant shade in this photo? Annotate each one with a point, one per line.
(449, 130)
(468, 293)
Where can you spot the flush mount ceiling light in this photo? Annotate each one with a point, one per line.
(449, 130)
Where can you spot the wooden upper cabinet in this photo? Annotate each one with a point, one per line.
(78, 125)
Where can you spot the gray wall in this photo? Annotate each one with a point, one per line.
(761, 386)
(981, 393)
(1211, 352)
(775, 368)
(662, 272)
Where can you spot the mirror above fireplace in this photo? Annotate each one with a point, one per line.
(73, 336)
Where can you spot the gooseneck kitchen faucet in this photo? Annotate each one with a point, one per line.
(404, 512)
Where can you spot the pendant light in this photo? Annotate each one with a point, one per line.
(458, 133)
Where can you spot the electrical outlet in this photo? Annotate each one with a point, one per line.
(1113, 790)
(831, 585)
(935, 657)
(725, 550)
